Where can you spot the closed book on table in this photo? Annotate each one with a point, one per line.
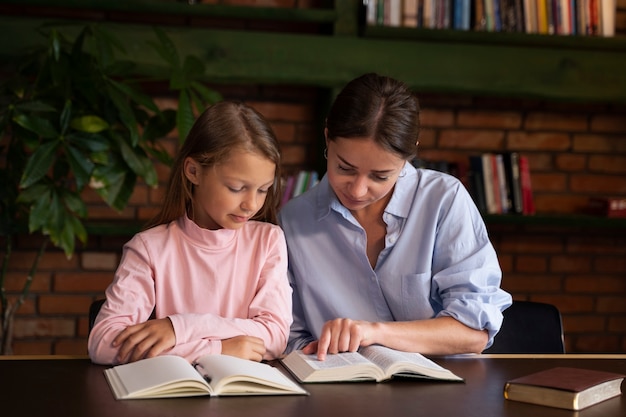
(563, 387)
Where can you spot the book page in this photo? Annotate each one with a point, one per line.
(395, 362)
(161, 376)
(229, 375)
(346, 366)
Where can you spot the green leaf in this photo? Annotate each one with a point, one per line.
(65, 238)
(89, 124)
(125, 113)
(158, 126)
(40, 212)
(208, 95)
(30, 194)
(74, 203)
(166, 48)
(38, 125)
(79, 229)
(193, 67)
(185, 117)
(39, 163)
(143, 99)
(90, 142)
(81, 166)
(34, 106)
(66, 114)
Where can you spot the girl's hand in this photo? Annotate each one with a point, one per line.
(145, 340)
(245, 347)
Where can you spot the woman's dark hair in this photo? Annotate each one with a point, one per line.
(379, 107)
(222, 128)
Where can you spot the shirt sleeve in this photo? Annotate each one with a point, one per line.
(466, 271)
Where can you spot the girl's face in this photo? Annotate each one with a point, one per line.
(228, 194)
(360, 172)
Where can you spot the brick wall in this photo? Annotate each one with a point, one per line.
(575, 151)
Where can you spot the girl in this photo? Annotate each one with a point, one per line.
(211, 267)
(382, 253)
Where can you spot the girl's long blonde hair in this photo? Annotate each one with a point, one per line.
(222, 128)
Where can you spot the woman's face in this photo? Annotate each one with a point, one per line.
(360, 172)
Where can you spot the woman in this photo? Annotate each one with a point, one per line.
(382, 253)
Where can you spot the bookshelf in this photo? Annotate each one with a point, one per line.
(338, 48)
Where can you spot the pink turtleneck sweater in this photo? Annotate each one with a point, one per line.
(212, 284)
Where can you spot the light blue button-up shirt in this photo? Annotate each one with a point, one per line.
(437, 260)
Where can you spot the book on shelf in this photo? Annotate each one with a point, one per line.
(613, 207)
(564, 387)
(212, 375)
(549, 17)
(528, 202)
(371, 363)
(511, 169)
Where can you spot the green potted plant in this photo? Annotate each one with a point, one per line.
(74, 114)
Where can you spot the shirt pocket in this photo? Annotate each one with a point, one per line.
(416, 299)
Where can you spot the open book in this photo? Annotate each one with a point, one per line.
(213, 375)
(376, 363)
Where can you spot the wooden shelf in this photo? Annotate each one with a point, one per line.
(554, 220)
(578, 69)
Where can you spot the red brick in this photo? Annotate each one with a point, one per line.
(82, 282)
(556, 121)
(607, 164)
(32, 347)
(294, 155)
(567, 303)
(44, 327)
(605, 184)
(64, 304)
(285, 132)
(427, 139)
(610, 264)
(595, 143)
(103, 212)
(599, 343)
(532, 284)
(549, 182)
(527, 263)
(523, 243)
(608, 123)
(595, 284)
(71, 347)
(538, 141)
(559, 203)
(15, 281)
(489, 119)
(99, 261)
(284, 112)
(480, 140)
(569, 162)
(597, 244)
(583, 323)
(611, 305)
(617, 324)
(436, 118)
(571, 264)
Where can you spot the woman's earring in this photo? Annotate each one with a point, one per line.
(325, 153)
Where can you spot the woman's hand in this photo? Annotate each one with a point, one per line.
(245, 347)
(342, 335)
(145, 340)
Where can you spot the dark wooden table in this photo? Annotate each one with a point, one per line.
(72, 387)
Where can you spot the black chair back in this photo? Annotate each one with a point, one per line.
(529, 327)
